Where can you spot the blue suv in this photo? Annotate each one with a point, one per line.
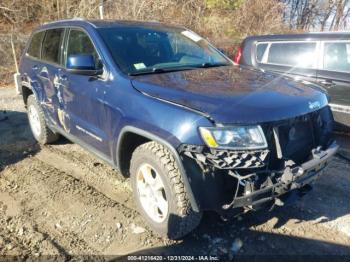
(192, 130)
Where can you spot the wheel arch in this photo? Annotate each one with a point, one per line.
(28, 89)
(138, 137)
(26, 92)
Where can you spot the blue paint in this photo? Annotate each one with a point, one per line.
(169, 105)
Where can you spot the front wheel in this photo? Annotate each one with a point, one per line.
(160, 193)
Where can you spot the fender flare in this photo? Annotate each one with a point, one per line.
(160, 140)
(34, 89)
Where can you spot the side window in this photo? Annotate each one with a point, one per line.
(80, 43)
(260, 51)
(296, 54)
(34, 48)
(52, 45)
(337, 56)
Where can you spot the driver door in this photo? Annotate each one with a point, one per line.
(82, 111)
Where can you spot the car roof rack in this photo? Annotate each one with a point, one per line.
(65, 20)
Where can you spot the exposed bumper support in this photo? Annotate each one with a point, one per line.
(226, 159)
(291, 179)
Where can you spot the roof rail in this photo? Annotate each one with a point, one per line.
(331, 32)
(65, 20)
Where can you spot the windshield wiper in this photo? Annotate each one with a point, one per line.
(208, 64)
(157, 70)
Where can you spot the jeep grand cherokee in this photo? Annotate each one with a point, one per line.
(162, 105)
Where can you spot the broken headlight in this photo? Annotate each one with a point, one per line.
(234, 137)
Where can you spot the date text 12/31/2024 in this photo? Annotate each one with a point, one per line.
(173, 258)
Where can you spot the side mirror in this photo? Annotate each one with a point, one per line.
(82, 64)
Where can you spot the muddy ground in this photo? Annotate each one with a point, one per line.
(61, 200)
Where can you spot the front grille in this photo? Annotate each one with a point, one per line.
(298, 136)
(296, 140)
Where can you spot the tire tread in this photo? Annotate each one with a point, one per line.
(189, 218)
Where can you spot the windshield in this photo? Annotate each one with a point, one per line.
(140, 50)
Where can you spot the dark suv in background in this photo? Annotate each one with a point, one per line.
(162, 105)
(322, 58)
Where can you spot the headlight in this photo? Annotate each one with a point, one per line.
(234, 137)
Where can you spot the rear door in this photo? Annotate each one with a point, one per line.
(298, 59)
(30, 62)
(47, 71)
(334, 75)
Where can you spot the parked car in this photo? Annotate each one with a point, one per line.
(321, 58)
(162, 105)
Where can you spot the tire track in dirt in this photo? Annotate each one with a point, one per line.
(111, 187)
(37, 205)
(60, 199)
(81, 219)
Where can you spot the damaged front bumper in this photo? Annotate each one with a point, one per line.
(229, 180)
(232, 182)
(291, 178)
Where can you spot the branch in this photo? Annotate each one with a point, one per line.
(8, 9)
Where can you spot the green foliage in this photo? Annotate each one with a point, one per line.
(224, 4)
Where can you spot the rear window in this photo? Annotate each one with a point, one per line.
(293, 54)
(337, 56)
(51, 45)
(34, 48)
(260, 51)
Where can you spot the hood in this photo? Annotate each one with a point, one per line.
(232, 94)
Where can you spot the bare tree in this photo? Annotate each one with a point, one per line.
(338, 17)
(316, 14)
(219, 20)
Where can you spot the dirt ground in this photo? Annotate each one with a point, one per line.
(61, 200)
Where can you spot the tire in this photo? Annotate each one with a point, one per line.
(40, 130)
(180, 218)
